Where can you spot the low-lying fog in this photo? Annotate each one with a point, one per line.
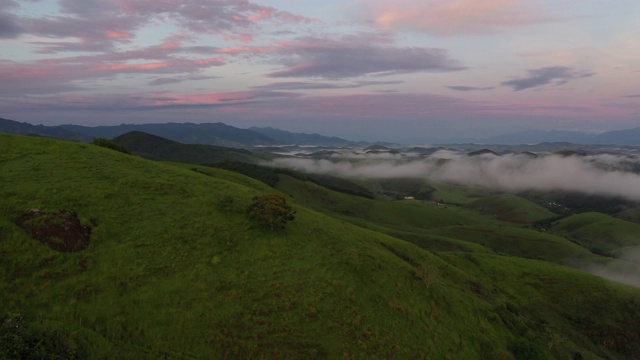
(626, 271)
(612, 175)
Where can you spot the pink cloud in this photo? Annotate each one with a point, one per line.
(455, 17)
(164, 66)
(217, 98)
(54, 75)
(119, 35)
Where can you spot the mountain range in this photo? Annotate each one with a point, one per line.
(618, 137)
(221, 134)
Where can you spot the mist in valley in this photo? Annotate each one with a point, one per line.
(625, 269)
(607, 175)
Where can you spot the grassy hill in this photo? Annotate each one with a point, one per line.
(186, 133)
(598, 232)
(158, 148)
(511, 208)
(434, 226)
(401, 215)
(632, 215)
(175, 269)
(520, 242)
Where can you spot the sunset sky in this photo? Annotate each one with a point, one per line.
(392, 70)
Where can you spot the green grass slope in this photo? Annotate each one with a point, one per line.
(457, 194)
(440, 227)
(402, 214)
(511, 208)
(632, 215)
(175, 270)
(598, 232)
(525, 243)
(158, 148)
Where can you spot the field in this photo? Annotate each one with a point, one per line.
(175, 269)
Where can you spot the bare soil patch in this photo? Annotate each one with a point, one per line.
(61, 230)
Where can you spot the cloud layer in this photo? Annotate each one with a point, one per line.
(553, 75)
(357, 55)
(451, 18)
(602, 175)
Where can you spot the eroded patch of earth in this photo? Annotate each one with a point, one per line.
(61, 230)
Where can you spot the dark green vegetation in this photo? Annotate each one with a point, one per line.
(271, 176)
(157, 148)
(598, 232)
(176, 269)
(270, 211)
(109, 144)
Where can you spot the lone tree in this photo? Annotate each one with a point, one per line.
(270, 211)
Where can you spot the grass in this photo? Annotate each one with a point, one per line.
(458, 194)
(632, 215)
(599, 232)
(175, 269)
(520, 242)
(511, 208)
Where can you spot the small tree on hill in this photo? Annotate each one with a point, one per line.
(270, 211)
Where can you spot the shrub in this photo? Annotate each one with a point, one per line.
(18, 341)
(270, 211)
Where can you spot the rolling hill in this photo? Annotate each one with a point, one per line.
(598, 232)
(175, 269)
(161, 149)
(187, 133)
(511, 208)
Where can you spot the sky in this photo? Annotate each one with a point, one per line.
(409, 71)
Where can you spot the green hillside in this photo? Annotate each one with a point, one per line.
(158, 148)
(632, 215)
(511, 208)
(174, 269)
(401, 215)
(598, 232)
(438, 227)
(520, 242)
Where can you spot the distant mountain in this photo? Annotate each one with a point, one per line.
(287, 137)
(618, 137)
(229, 136)
(18, 128)
(538, 136)
(187, 133)
(161, 149)
(483, 152)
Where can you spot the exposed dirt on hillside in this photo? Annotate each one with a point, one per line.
(61, 230)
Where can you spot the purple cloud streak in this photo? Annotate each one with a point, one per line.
(554, 75)
(356, 55)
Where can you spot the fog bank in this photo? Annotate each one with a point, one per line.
(599, 174)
